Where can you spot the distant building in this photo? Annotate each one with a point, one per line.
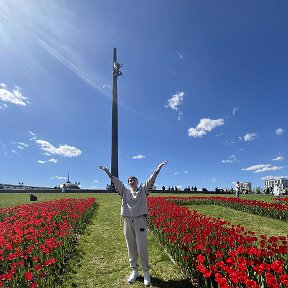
(22, 187)
(68, 185)
(245, 187)
(281, 181)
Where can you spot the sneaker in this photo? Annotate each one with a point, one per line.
(133, 276)
(147, 278)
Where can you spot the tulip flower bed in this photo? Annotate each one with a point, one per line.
(36, 240)
(268, 209)
(282, 200)
(216, 253)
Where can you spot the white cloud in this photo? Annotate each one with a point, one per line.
(59, 177)
(209, 124)
(232, 158)
(180, 114)
(272, 177)
(104, 86)
(180, 55)
(52, 160)
(279, 131)
(14, 96)
(193, 132)
(63, 150)
(205, 125)
(138, 157)
(174, 102)
(178, 173)
(3, 106)
(21, 145)
(227, 161)
(96, 181)
(248, 137)
(262, 168)
(33, 135)
(234, 110)
(278, 158)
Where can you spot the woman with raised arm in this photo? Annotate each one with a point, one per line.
(134, 211)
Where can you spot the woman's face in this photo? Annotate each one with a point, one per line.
(133, 182)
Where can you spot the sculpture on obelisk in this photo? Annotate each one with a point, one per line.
(114, 153)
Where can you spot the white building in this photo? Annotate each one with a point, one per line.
(281, 181)
(245, 187)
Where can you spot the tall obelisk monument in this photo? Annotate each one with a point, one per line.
(114, 153)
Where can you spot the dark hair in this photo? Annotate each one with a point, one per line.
(132, 177)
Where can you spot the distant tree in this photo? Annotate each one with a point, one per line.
(257, 190)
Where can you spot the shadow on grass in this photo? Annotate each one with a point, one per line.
(72, 262)
(160, 283)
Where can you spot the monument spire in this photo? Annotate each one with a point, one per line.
(114, 153)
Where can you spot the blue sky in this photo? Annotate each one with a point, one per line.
(204, 86)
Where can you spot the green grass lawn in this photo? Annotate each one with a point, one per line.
(258, 224)
(101, 259)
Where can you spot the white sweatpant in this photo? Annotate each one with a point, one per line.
(135, 231)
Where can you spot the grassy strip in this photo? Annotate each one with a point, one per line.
(262, 208)
(102, 260)
(259, 224)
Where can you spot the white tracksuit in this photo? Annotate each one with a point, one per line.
(134, 210)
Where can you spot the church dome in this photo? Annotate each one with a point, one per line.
(70, 185)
